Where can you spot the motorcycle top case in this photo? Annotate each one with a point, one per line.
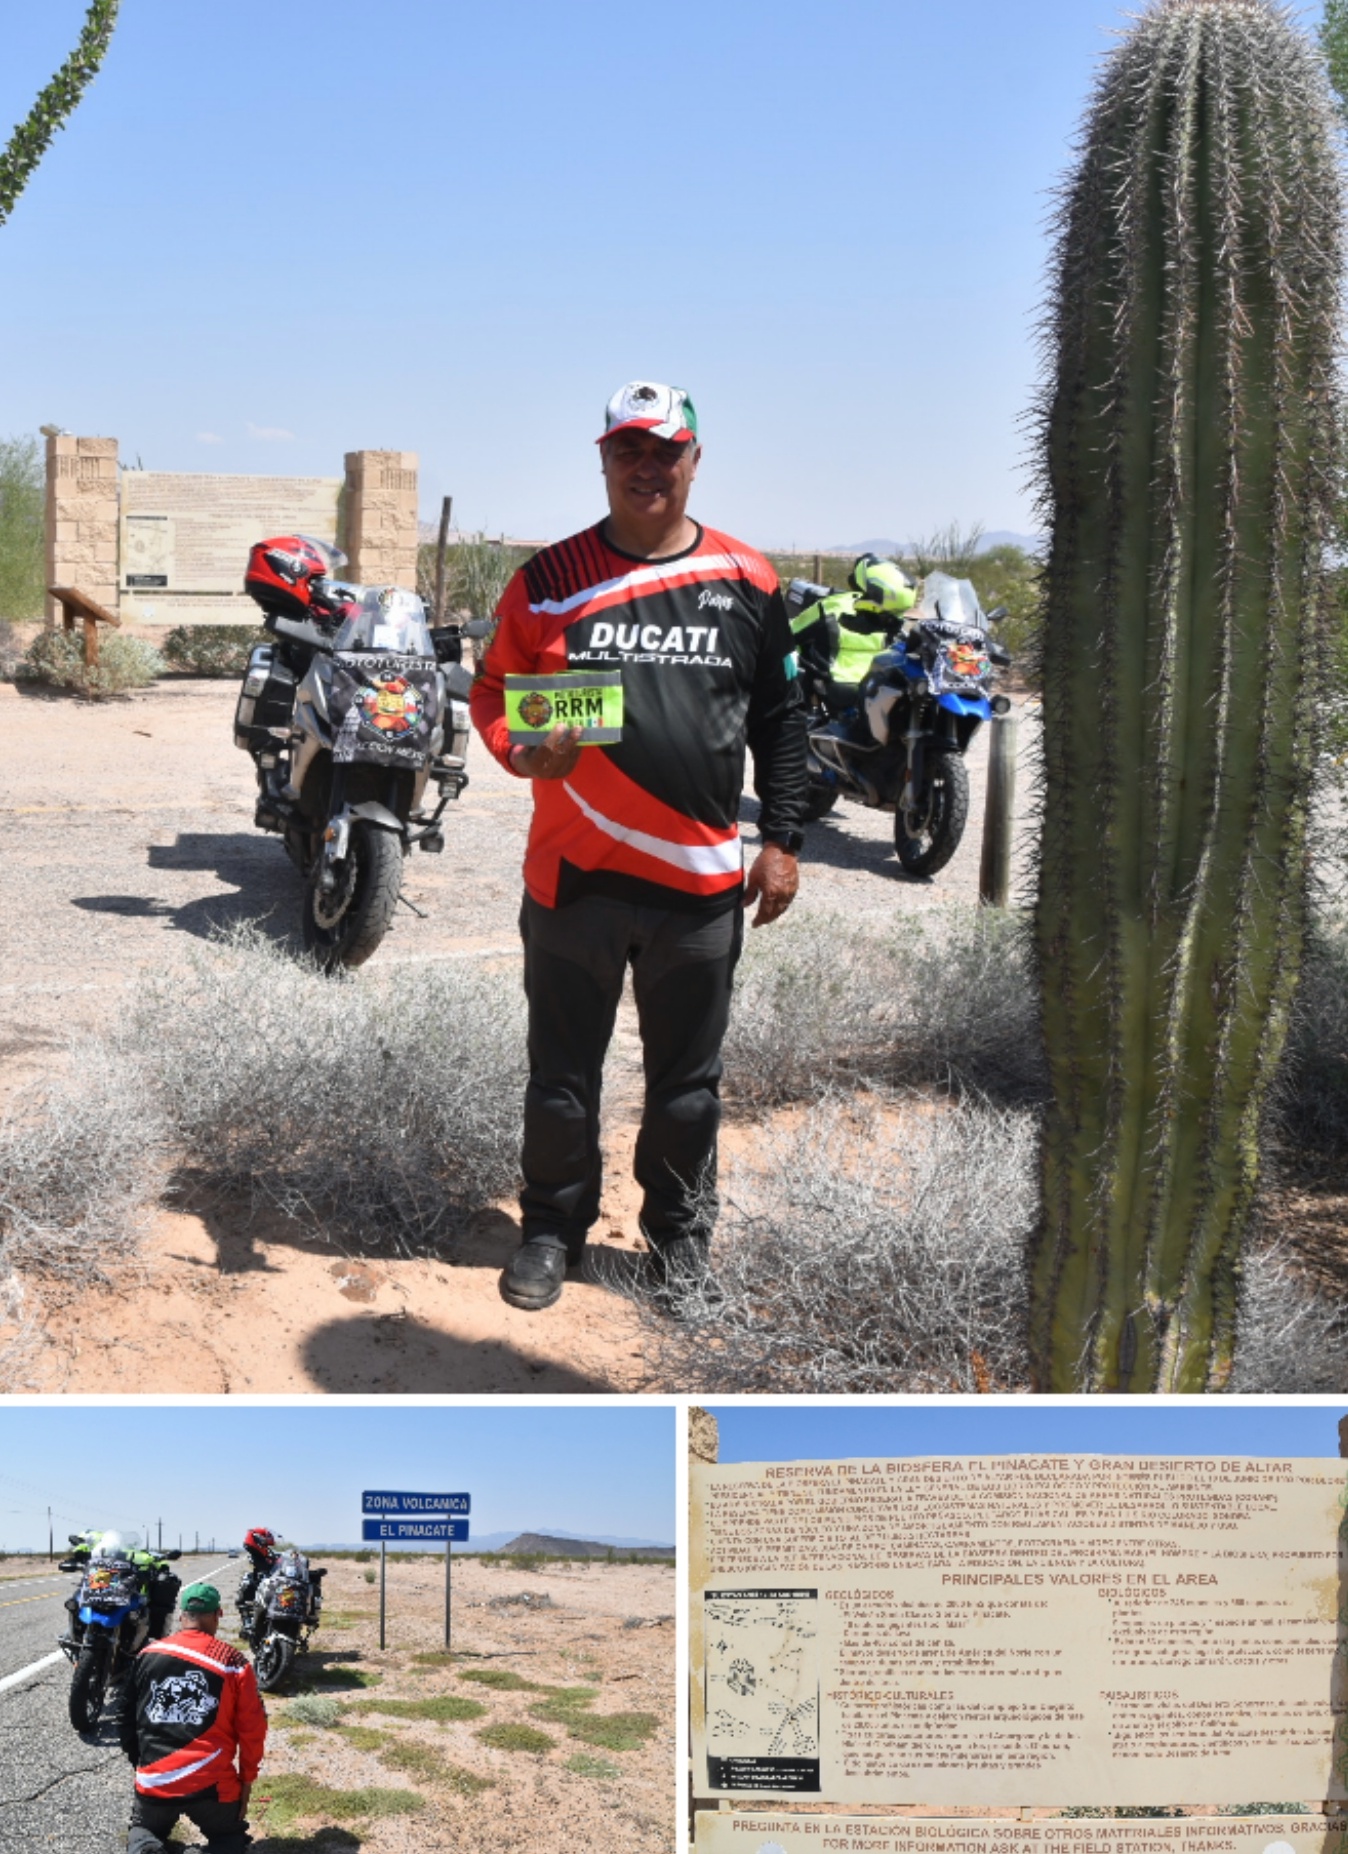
(266, 700)
(383, 709)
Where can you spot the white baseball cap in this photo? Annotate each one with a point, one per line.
(641, 405)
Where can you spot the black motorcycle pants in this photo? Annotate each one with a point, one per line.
(153, 1819)
(575, 961)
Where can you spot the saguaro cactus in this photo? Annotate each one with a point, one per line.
(32, 137)
(1188, 459)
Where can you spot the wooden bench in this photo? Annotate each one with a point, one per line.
(76, 604)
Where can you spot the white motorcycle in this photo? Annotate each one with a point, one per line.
(349, 715)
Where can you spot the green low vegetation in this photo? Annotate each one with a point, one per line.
(501, 1678)
(314, 1709)
(511, 1737)
(442, 1707)
(364, 1737)
(280, 1801)
(425, 1762)
(584, 1765)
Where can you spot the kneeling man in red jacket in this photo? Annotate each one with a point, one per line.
(192, 1709)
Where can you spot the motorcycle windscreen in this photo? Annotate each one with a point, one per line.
(383, 709)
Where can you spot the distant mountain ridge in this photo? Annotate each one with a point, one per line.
(563, 1545)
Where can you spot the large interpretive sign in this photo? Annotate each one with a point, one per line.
(842, 1834)
(184, 539)
(1029, 1630)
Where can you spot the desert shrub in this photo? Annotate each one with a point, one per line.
(212, 649)
(314, 1709)
(386, 1108)
(11, 652)
(23, 580)
(1289, 1337)
(56, 657)
(80, 1168)
(824, 1001)
(859, 1253)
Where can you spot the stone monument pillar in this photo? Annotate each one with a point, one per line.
(380, 517)
(81, 519)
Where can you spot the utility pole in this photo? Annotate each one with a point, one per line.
(160, 1524)
(196, 1543)
(442, 548)
(50, 1538)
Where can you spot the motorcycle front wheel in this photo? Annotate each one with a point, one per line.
(928, 837)
(272, 1661)
(344, 926)
(89, 1685)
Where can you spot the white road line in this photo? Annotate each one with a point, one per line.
(35, 1667)
(49, 1660)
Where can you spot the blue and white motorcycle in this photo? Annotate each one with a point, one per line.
(110, 1624)
(897, 741)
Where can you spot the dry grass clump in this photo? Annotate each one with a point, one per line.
(80, 1168)
(825, 1002)
(385, 1104)
(860, 1253)
(1290, 1338)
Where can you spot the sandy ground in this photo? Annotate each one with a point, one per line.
(610, 1627)
(126, 839)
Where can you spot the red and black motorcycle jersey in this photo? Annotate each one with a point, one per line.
(704, 647)
(194, 1703)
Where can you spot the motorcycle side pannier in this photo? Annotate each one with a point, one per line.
(266, 700)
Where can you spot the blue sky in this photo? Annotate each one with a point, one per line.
(302, 1470)
(456, 229)
(1144, 1426)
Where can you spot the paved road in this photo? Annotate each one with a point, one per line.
(58, 1790)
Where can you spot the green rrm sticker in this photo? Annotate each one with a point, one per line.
(571, 698)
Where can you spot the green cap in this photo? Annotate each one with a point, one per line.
(200, 1600)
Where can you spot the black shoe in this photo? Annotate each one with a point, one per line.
(681, 1279)
(535, 1275)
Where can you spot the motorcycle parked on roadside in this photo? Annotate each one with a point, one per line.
(349, 714)
(110, 1622)
(282, 1614)
(896, 742)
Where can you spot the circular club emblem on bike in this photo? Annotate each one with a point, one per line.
(536, 709)
(393, 706)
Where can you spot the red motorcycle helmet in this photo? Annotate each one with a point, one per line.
(259, 1538)
(280, 573)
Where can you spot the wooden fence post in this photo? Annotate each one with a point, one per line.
(442, 548)
(994, 875)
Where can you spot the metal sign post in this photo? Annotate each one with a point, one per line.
(432, 1525)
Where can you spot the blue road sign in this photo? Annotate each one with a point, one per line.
(427, 1531)
(459, 1503)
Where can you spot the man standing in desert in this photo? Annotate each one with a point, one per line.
(634, 853)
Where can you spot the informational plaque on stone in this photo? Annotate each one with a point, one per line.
(184, 539)
(1032, 1630)
(842, 1834)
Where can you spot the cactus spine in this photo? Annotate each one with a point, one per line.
(1188, 460)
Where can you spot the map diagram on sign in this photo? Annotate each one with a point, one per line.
(762, 1672)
